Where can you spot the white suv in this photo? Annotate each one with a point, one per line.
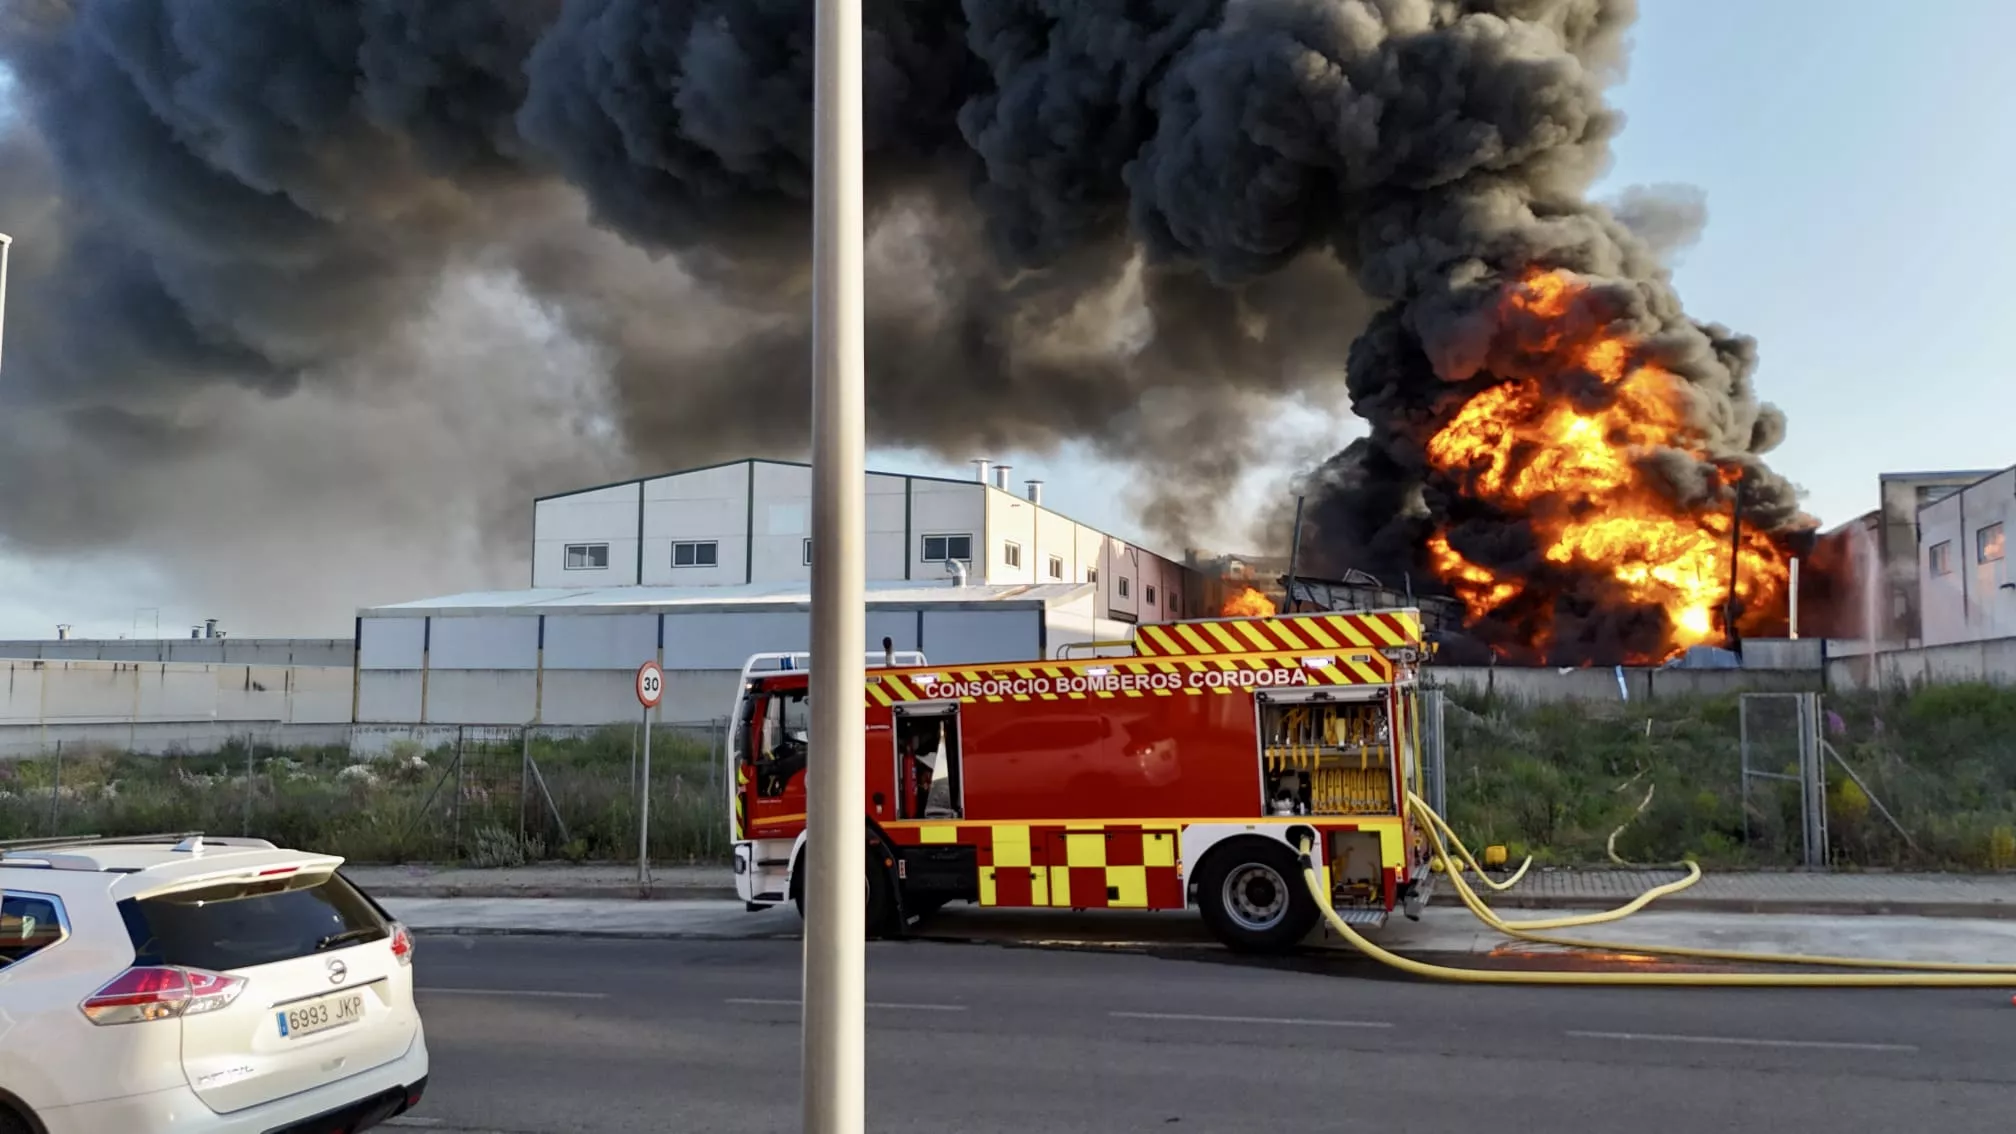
(214, 986)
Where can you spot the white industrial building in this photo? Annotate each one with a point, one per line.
(1966, 590)
(702, 568)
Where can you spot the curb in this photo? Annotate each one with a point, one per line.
(651, 893)
(1821, 907)
(598, 934)
(1679, 903)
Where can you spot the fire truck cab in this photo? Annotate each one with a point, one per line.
(1183, 774)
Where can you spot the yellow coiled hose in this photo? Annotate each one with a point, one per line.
(1901, 974)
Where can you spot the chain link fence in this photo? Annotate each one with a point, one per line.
(1919, 780)
(488, 795)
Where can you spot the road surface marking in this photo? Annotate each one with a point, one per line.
(512, 992)
(1736, 1041)
(761, 1002)
(1288, 1020)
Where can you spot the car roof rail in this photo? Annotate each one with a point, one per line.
(30, 847)
(46, 841)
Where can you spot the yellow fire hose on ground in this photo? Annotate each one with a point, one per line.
(1901, 974)
(1439, 831)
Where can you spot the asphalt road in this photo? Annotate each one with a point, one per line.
(545, 1035)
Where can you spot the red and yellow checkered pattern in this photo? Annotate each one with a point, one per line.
(1367, 630)
(1095, 679)
(1064, 865)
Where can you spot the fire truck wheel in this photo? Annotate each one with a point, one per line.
(1250, 893)
(880, 893)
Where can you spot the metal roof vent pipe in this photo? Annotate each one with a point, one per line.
(981, 469)
(209, 628)
(957, 569)
(1001, 477)
(1035, 492)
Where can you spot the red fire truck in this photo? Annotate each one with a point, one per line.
(1182, 773)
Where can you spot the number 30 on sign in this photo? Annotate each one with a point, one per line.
(650, 684)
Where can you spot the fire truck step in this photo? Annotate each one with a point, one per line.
(1372, 918)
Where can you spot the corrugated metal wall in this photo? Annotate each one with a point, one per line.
(493, 669)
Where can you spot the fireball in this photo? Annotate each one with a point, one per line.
(1566, 439)
(1248, 603)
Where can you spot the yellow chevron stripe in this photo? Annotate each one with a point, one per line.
(1286, 633)
(1194, 640)
(1224, 637)
(1377, 627)
(1314, 628)
(1252, 634)
(1346, 630)
(1159, 638)
(877, 697)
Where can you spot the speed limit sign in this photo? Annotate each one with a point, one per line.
(650, 684)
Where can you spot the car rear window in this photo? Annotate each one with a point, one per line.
(237, 925)
(29, 923)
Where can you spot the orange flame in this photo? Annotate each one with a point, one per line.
(1568, 454)
(1248, 603)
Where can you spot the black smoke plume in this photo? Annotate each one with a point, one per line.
(574, 234)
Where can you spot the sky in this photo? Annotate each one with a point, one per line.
(1855, 167)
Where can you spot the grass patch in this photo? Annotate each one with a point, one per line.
(1556, 780)
(1553, 781)
(409, 805)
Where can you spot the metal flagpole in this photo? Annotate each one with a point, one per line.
(836, 858)
(6, 246)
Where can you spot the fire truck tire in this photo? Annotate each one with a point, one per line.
(1247, 893)
(881, 892)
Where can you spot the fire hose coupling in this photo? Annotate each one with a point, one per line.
(1304, 839)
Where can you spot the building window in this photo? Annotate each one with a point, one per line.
(1942, 558)
(1123, 586)
(1988, 543)
(1151, 596)
(808, 551)
(587, 556)
(1057, 567)
(1011, 553)
(696, 553)
(1091, 574)
(1175, 602)
(944, 548)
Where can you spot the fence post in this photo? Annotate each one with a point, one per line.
(644, 811)
(1813, 788)
(455, 847)
(713, 765)
(247, 823)
(56, 791)
(524, 782)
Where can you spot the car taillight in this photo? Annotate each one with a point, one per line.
(402, 944)
(160, 992)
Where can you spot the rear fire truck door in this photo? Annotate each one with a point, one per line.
(929, 779)
(931, 786)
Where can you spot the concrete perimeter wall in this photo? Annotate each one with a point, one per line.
(1992, 661)
(162, 706)
(1543, 686)
(226, 651)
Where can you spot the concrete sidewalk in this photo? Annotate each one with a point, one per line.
(1439, 932)
(1779, 892)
